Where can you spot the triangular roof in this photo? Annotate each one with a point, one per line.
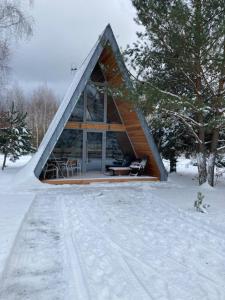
(74, 92)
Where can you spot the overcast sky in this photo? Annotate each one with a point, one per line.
(64, 33)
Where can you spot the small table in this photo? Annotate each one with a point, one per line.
(118, 171)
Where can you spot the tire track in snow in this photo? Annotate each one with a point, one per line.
(199, 269)
(194, 238)
(214, 288)
(79, 289)
(6, 266)
(161, 286)
(36, 266)
(117, 267)
(190, 218)
(172, 215)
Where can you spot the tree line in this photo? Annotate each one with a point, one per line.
(24, 118)
(40, 107)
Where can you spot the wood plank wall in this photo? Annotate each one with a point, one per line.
(128, 114)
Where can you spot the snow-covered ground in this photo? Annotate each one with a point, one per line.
(13, 207)
(112, 241)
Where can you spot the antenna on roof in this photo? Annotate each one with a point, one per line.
(73, 69)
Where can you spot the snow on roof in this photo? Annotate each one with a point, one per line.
(28, 170)
(77, 86)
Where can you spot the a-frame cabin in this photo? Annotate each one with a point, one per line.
(95, 127)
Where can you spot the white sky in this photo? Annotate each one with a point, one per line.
(64, 33)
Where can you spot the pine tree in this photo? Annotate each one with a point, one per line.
(180, 60)
(171, 137)
(15, 137)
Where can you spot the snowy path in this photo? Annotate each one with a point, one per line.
(35, 268)
(113, 242)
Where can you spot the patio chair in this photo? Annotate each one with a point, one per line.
(137, 167)
(78, 167)
(52, 169)
(72, 165)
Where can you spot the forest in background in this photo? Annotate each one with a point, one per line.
(40, 106)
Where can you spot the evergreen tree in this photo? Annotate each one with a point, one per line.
(171, 137)
(180, 60)
(15, 137)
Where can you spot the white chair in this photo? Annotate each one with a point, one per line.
(137, 168)
(78, 167)
(70, 165)
(51, 168)
(73, 165)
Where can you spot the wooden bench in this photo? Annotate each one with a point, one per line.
(118, 171)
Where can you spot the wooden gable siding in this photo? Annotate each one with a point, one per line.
(129, 116)
(95, 126)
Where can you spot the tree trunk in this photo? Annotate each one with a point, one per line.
(4, 161)
(211, 168)
(212, 156)
(202, 170)
(173, 163)
(218, 106)
(201, 153)
(37, 135)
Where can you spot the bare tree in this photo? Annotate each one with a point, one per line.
(4, 56)
(41, 109)
(13, 23)
(17, 96)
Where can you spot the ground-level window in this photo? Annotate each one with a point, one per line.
(118, 147)
(69, 145)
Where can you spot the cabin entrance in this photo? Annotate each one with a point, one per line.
(94, 159)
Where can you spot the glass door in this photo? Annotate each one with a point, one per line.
(94, 151)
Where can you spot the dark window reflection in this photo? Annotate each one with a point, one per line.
(118, 147)
(97, 74)
(94, 144)
(78, 112)
(95, 104)
(69, 144)
(112, 112)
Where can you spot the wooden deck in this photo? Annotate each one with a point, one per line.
(107, 179)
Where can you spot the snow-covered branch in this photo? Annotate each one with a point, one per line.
(221, 148)
(185, 121)
(185, 117)
(189, 78)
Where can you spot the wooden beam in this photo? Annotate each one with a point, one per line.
(95, 126)
(94, 180)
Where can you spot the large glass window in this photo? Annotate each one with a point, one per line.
(112, 112)
(94, 151)
(95, 104)
(69, 145)
(97, 74)
(118, 147)
(78, 112)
